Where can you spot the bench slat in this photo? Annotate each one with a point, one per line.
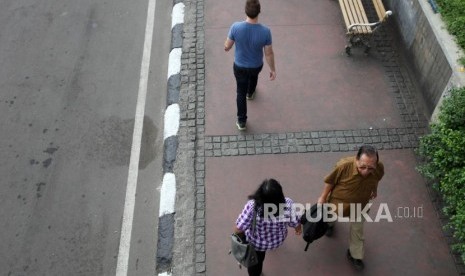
(344, 10)
(353, 13)
(348, 9)
(380, 10)
(362, 16)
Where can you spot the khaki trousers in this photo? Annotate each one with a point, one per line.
(356, 239)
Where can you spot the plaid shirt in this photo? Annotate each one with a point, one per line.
(269, 233)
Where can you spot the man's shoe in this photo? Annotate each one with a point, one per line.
(329, 231)
(241, 125)
(356, 263)
(250, 96)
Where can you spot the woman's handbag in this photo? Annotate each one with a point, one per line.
(242, 250)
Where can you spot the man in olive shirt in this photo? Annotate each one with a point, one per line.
(354, 180)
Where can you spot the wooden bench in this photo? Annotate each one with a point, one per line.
(359, 29)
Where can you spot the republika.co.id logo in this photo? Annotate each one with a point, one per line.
(330, 212)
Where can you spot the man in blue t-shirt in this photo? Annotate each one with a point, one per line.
(251, 39)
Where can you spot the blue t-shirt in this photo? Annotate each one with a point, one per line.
(249, 40)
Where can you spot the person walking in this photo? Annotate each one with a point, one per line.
(251, 39)
(270, 229)
(354, 180)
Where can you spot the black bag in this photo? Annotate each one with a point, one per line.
(242, 250)
(313, 230)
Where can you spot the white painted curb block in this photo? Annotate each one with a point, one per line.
(178, 14)
(172, 116)
(168, 190)
(174, 62)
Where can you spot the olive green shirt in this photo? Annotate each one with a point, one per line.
(350, 186)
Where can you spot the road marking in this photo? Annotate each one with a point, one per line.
(128, 214)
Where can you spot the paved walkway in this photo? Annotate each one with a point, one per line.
(322, 105)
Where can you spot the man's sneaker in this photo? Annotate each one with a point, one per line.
(250, 96)
(330, 231)
(356, 263)
(240, 125)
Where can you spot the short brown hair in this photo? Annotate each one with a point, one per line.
(252, 8)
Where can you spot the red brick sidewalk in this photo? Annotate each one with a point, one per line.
(319, 108)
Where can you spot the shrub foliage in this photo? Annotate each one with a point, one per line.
(443, 150)
(453, 14)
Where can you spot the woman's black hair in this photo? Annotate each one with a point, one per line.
(269, 192)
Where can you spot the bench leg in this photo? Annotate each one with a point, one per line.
(367, 43)
(350, 43)
(367, 49)
(347, 50)
(358, 41)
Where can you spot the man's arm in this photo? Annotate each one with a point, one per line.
(228, 44)
(269, 56)
(324, 195)
(380, 173)
(298, 229)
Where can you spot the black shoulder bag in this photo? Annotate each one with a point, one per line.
(242, 250)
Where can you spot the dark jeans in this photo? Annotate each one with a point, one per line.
(256, 270)
(246, 80)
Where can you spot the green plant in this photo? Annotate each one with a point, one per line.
(453, 14)
(452, 114)
(462, 60)
(443, 150)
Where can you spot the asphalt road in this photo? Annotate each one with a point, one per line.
(69, 81)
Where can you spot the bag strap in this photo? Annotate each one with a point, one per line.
(254, 220)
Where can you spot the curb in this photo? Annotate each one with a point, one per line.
(170, 145)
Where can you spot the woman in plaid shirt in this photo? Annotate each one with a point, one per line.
(274, 213)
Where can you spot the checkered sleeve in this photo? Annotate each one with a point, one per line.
(244, 221)
(294, 219)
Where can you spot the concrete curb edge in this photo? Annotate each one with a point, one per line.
(170, 145)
